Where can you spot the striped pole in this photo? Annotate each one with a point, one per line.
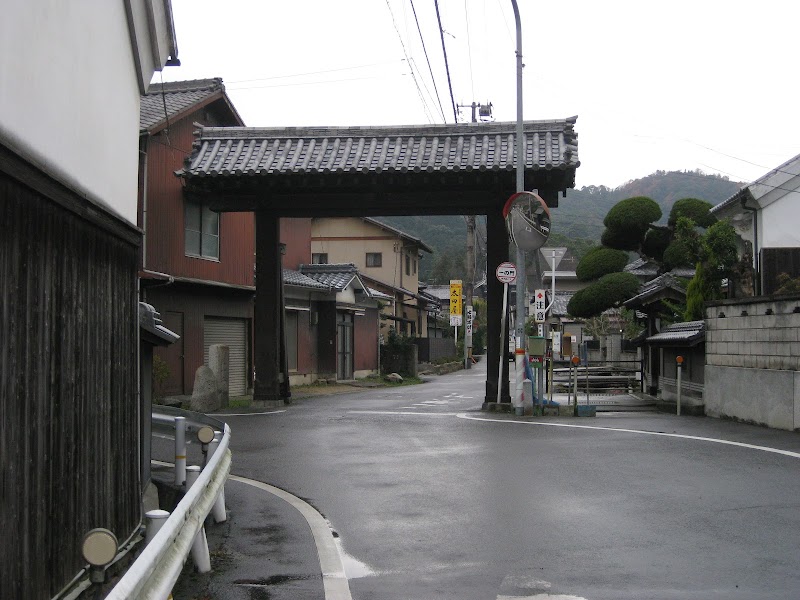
(180, 450)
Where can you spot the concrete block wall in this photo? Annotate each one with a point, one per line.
(752, 370)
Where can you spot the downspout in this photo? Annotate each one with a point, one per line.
(143, 147)
(755, 246)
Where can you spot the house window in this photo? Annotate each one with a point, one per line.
(374, 259)
(201, 231)
(415, 266)
(408, 265)
(291, 339)
(319, 258)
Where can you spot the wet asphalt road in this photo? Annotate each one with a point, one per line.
(431, 505)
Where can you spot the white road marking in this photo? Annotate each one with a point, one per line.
(542, 597)
(639, 431)
(272, 412)
(334, 577)
(401, 412)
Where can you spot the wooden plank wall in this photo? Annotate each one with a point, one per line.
(775, 261)
(68, 392)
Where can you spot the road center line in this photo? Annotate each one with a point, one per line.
(639, 431)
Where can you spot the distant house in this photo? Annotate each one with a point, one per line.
(765, 214)
(388, 260)
(71, 430)
(347, 334)
(197, 265)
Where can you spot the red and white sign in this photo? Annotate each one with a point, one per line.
(506, 272)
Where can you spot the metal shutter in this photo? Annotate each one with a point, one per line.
(232, 333)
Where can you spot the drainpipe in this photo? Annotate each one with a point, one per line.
(143, 157)
(755, 245)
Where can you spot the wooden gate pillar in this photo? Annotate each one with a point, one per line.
(496, 253)
(267, 311)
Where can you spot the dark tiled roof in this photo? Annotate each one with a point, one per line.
(178, 96)
(299, 280)
(231, 151)
(643, 267)
(651, 288)
(335, 276)
(679, 334)
(402, 234)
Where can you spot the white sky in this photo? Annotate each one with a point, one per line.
(702, 84)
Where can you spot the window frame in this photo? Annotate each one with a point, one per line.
(200, 250)
(315, 256)
(374, 262)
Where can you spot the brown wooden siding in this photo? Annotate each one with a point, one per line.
(777, 261)
(305, 339)
(366, 341)
(296, 234)
(195, 303)
(164, 234)
(69, 420)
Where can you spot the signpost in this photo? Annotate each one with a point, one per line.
(539, 306)
(469, 318)
(455, 302)
(506, 273)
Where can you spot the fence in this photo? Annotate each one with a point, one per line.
(157, 568)
(431, 349)
(601, 378)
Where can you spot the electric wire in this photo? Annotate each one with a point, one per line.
(430, 69)
(405, 53)
(469, 49)
(446, 65)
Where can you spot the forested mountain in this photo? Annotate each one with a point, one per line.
(577, 223)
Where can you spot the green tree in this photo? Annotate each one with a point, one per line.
(600, 261)
(607, 292)
(718, 256)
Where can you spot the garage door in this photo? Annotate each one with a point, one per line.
(232, 333)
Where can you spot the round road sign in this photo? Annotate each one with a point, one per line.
(506, 272)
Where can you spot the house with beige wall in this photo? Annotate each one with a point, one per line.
(388, 260)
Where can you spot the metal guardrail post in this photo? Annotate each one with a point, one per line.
(155, 521)
(200, 555)
(219, 512)
(180, 450)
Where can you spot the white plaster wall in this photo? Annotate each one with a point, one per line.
(69, 98)
(763, 396)
(778, 226)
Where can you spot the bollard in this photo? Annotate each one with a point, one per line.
(679, 361)
(200, 555)
(520, 372)
(576, 361)
(527, 397)
(218, 511)
(155, 521)
(180, 450)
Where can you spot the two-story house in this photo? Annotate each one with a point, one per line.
(196, 265)
(388, 260)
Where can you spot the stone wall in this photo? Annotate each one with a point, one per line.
(752, 370)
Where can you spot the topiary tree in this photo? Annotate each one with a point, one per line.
(718, 257)
(628, 221)
(600, 261)
(607, 292)
(698, 211)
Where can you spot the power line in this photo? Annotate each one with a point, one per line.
(446, 65)
(469, 50)
(430, 69)
(405, 53)
(366, 66)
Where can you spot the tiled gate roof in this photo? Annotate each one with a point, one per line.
(235, 151)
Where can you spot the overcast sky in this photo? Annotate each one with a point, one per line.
(702, 84)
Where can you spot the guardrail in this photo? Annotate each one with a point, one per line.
(157, 568)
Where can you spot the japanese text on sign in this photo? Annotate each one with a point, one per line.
(539, 305)
(455, 300)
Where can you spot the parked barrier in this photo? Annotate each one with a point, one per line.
(158, 567)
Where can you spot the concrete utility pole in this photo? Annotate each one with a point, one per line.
(470, 284)
(520, 154)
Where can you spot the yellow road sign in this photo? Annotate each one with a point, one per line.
(455, 296)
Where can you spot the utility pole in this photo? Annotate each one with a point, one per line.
(485, 110)
(470, 283)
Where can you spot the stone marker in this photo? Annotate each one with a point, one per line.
(395, 377)
(219, 362)
(205, 397)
